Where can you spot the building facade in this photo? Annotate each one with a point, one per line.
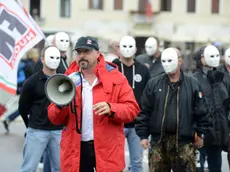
(186, 23)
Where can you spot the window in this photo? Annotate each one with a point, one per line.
(215, 6)
(191, 6)
(167, 44)
(142, 5)
(118, 4)
(96, 4)
(35, 9)
(190, 46)
(166, 5)
(65, 8)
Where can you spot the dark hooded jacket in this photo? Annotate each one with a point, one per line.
(216, 94)
(226, 82)
(137, 80)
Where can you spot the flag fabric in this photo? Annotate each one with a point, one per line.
(18, 33)
(2, 109)
(148, 9)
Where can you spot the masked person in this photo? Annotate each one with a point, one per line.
(137, 74)
(173, 112)
(152, 58)
(41, 133)
(62, 42)
(207, 59)
(104, 102)
(225, 68)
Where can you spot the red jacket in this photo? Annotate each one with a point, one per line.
(109, 137)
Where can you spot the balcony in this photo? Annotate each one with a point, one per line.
(140, 17)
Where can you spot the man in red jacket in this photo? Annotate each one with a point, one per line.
(106, 101)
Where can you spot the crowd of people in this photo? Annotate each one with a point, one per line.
(147, 99)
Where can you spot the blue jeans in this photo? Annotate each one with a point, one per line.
(35, 144)
(46, 161)
(135, 150)
(12, 116)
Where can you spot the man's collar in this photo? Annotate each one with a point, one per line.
(180, 79)
(156, 58)
(205, 70)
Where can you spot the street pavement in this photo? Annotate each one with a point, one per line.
(11, 146)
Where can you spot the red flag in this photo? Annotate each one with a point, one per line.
(2, 109)
(148, 9)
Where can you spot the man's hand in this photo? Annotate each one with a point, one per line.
(147, 65)
(145, 143)
(102, 108)
(199, 142)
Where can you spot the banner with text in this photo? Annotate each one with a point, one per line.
(18, 34)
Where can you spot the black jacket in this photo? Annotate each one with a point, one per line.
(192, 111)
(61, 68)
(140, 82)
(155, 68)
(226, 82)
(34, 103)
(216, 95)
(226, 79)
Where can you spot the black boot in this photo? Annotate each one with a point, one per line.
(6, 125)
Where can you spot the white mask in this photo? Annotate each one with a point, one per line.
(127, 46)
(227, 56)
(52, 57)
(62, 41)
(151, 46)
(169, 60)
(49, 40)
(212, 56)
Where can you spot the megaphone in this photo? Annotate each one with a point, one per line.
(61, 89)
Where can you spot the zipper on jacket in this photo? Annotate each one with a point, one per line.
(177, 118)
(163, 118)
(64, 64)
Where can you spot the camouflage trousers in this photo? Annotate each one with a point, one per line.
(164, 157)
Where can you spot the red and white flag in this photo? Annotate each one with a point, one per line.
(148, 9)
(18, 33)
